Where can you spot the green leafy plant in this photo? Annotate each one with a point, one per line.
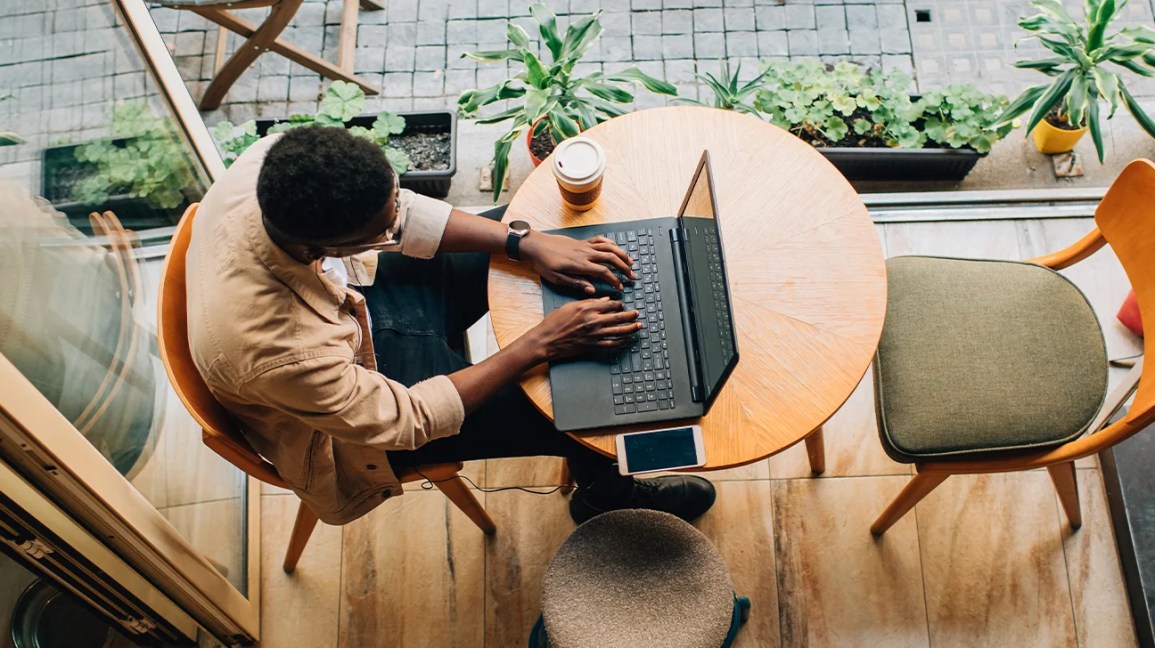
(845, 105)
(961, 115)
(729, 92)
(341, 102)
(147, 161)
(548, 95)
(1081, 51)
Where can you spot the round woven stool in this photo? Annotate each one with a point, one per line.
(637, 578)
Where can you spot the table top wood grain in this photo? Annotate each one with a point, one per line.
(805, 267)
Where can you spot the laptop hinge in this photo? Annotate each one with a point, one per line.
(685, 311)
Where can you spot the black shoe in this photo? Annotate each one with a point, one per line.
(685, 496)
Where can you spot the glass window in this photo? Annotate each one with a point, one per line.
(93, 172)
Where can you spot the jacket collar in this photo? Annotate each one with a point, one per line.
(304, 280)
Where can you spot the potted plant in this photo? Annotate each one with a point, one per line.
(1065, 108)
(143, 173)
(870, 126)
(420, 146)
(729, 92)
(552, 103)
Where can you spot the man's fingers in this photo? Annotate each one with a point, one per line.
(611, 343)
(600, 271)
(622, 330)
(618, 253)
(616, 261)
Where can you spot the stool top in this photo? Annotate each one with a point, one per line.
(637, 578)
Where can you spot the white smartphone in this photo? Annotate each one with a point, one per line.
(655, 450)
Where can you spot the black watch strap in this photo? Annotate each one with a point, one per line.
(513, 246)
(517, 230)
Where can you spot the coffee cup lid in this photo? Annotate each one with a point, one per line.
(578, 160)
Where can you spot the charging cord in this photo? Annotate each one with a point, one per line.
(430, 484)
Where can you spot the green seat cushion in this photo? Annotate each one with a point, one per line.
(981, 357)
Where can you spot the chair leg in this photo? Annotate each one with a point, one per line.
(816, 451)
(458, 493)
(302, 529)
(918, 488)
(566, 479)
(1063, 475)
(248, 52)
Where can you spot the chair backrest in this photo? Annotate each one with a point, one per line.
(1126, 217)
(220, 432)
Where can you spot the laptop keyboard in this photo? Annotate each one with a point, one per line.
(718, 285)
(640, 376)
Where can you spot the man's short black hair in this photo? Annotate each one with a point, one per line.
(320, 184)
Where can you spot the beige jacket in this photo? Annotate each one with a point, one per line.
(289, 354)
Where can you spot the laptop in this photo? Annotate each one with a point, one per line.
(687, 347)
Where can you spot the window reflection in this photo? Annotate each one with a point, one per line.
(93, 169)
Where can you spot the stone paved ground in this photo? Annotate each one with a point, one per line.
(412, 49)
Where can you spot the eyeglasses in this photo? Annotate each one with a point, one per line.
(391, 239)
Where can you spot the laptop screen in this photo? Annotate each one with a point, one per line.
(708, 289)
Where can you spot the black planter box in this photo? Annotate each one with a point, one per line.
(59, 173)
(902, 164)
(430, 183)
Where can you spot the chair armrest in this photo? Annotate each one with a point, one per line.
(1077, 251)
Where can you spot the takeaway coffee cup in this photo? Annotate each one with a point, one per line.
(578, 165)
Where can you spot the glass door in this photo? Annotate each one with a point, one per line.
(99, 158)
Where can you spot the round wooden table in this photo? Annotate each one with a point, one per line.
(805, 266)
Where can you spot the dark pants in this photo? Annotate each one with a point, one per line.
(419, 310)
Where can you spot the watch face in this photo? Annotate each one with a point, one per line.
(519, 227)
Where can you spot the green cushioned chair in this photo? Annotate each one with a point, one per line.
(634, 578)
(992, 366)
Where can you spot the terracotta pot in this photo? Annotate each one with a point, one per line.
(529, 142)
(1050, 139)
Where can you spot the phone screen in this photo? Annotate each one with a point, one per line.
(672, 448)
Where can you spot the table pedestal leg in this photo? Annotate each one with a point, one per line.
(816, 451)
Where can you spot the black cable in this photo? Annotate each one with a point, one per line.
(430, 484)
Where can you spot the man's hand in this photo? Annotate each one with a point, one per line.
(568, 262)
(582, 326)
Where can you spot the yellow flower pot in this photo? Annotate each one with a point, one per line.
(1055, 140)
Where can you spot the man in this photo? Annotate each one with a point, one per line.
(340, 385)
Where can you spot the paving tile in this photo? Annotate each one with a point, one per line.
(773, 43)
(864, 40)
(679, 21)
(803, 42)
(739, 19)
(647, 23)
(430, 57)
(740, 44)
(709, 46)
(400, 59)
(648, 48)
(800, 16)
(770, 17)
(831, 17)
(679, 46)
(709, 19)
(400, 10)
(833, 41)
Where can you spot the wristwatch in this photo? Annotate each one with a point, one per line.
(517, 231)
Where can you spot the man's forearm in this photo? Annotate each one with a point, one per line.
(467, 232)
(478, 383)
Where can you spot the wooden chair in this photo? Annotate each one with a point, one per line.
(220, 432)
(1126, 219)
(265, 38)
